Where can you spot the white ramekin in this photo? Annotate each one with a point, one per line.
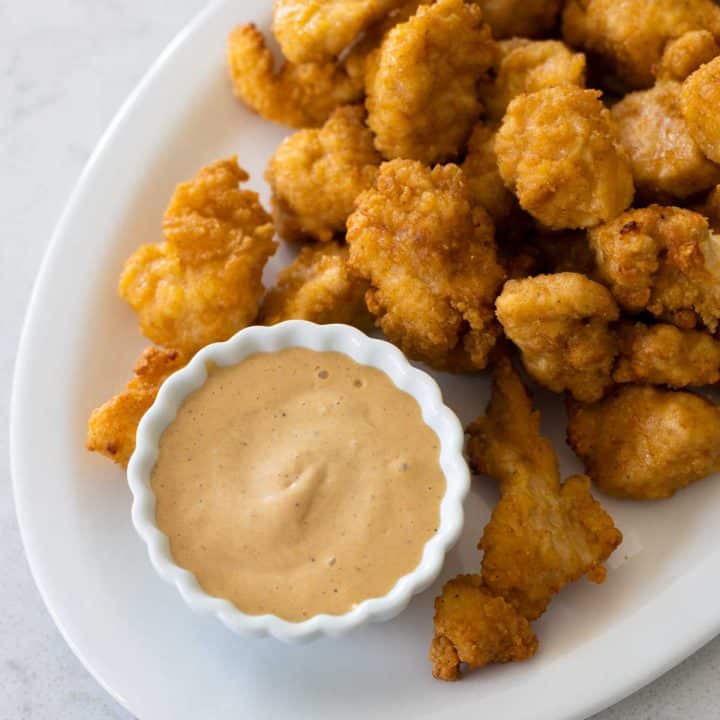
(362, 349)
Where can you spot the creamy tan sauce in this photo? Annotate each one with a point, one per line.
(298, 483)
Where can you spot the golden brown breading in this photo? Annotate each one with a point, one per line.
(319, 287)
(700, 101)
(542, 534)
(684, 55)
(559, 152)
(646, 443)
(316, 174)
(526, 66)
(665, 355)
(300, 96)
(476, 628)
(482, 176)
(112, 426)
(567, 251)
(661, 259)
(430, 258)
(520, 18)
(421, 83)
(560, 323)
(317, 30)
(666, 161)
(629, 36)
(203, 283)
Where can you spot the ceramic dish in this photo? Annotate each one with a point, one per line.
(134, 632)
(362, 349)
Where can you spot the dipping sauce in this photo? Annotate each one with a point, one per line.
(298, 483)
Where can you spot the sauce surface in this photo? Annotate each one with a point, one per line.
(298, 483)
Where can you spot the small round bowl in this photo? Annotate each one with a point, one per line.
(362, 349)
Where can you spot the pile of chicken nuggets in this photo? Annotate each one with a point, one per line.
(476, 178)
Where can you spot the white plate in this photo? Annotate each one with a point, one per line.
(134, 633)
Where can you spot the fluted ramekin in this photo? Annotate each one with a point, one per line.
(362, 349)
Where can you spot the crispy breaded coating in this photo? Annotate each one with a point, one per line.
(560, 323)
(317, 30)
(559, 152)
(520, 18)
(482, 176)
(297, 95)
(421, 82)
(666, 160)
(646, 443)
(629, 36)
(316, 174)
(566, 251)
(203, 283)
(700, 101)
(476, 628)
(112, 426)
(525, 66)
(666, 355)
(319, 287)
(684, 55)
(542, 534)
(664, 260)
(431, 261)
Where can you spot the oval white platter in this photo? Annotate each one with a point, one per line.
(133, 632)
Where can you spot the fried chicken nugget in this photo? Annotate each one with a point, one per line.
(317, 30)
(646, 443)
(560, 323)
(542, 534)
(297, 95)
(474, 627)
(559, 152)
(629, 36)
(112, 426)
(666, 355)
(203, 283)
(318, 286)
(666, 160)
(482, 176)
(664, 260)
(684, 55)
(700, 100)
(316, 174)
(431, 262)
(520, 18)
(526, 66)
(421, 82)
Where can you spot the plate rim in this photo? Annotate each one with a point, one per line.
(605, 692)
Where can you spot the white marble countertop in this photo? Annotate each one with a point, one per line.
(65, 67)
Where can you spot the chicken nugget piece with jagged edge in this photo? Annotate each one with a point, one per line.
(700, 98)
(628, 38)
(316, 174)
(684, 55)
(664, 260)
(421, 83)
(666, 355)
(561, 323)
(558, 150)
(475, 628)
(318, 30)
(644, 442)
(543, 534)
(297, 95)
(318, 286)
(482, 176)
(112, 426)
(431, 261)
(666, 161)
(204, 283)
(525, 66)
(520, 18)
